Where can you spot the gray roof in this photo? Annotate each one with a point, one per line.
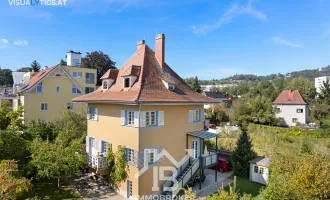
(214, 95)
(261, 160)
(204, 134)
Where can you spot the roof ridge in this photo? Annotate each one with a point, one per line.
(50, 69)
(141, 73)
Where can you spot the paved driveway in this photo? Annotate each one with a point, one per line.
(209, 186)
(93, 190)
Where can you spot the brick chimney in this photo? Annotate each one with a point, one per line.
(139, 44)
(160, 49)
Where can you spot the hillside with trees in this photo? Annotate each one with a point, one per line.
(307, 73)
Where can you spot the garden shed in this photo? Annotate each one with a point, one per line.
(259, 169)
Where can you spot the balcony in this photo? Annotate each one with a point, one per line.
(97, 162)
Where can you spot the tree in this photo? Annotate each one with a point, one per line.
(305, 86)
(117, 164)
(242, 154)
(319, 109)
(258, 110)
(217, 113)
(71, 132)
(35, 66)
(63, 62)
(304, 176)
(195, 86)
(262, 110)
(11, 183)
(24, 69)
(10, 119)
(6, 78)
(55, 160)
(99, 61)
(13, 147)
(325, 91)
(240, 113)
(42, 130)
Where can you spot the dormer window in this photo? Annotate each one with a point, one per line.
(105, 85)
(171, 87)
(127, 82)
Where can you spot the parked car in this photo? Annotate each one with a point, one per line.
(195, 179)
(224, 164)
(212, 126)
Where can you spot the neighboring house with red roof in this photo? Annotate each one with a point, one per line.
(47, 93)
(292, 108)
(148, 108)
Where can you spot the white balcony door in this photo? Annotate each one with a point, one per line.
(196, 148)
(93, 146)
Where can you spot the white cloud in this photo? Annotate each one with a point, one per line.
(233, 12)
(278, 40)
(21, 43)
(3, 43)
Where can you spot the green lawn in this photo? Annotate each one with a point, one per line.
(49, 190)
(245, 186)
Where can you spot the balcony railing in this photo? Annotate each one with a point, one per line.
(97, 162)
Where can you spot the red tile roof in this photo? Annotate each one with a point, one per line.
(36, 78)
(132, 71)
(148, 86)
(290, 97)
(110, 74)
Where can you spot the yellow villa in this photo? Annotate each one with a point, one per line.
(149, 109)
(47, 93)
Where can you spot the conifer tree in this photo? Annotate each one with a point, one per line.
(242, 154)
(196, 87)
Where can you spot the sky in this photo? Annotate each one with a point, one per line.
(211, 39)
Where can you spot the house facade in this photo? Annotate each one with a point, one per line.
(146, 107)
(47, 93)
(292, 108)
(259, 169)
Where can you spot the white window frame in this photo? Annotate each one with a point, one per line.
(129, 82)
(129, 113)
(92, 115)
(130, 155)
(77, 74)
(196, 115)
(88, 80)
(256, 169)
(105, 84)
(58, 89)
(149, 120)
(300, 110)
(196, 148)
(40, 88)
(44, 106)
(74, 88)
(294, 120)
(261, 170)
(105, 147)
(150, 156)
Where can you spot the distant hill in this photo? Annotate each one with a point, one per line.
(308, 73)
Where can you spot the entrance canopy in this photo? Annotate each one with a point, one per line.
(204, 134)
